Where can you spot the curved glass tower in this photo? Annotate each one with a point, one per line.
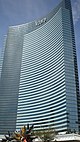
(39, 77)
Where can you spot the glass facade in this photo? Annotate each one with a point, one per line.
(39, 78)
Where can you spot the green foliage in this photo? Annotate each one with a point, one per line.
(45, 135)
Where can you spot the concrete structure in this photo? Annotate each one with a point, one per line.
(39, 77)
(67, 138)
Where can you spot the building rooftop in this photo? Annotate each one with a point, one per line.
(67, 137)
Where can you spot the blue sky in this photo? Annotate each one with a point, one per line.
(14, 12)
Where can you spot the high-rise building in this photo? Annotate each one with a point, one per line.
(39, 77)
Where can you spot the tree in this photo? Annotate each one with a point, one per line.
(46, 135)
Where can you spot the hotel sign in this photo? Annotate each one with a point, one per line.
(39, 22)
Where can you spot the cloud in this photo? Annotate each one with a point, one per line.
(76, 11)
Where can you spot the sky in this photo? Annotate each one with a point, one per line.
(15, 12)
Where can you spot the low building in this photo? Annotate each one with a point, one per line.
(67, 138)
